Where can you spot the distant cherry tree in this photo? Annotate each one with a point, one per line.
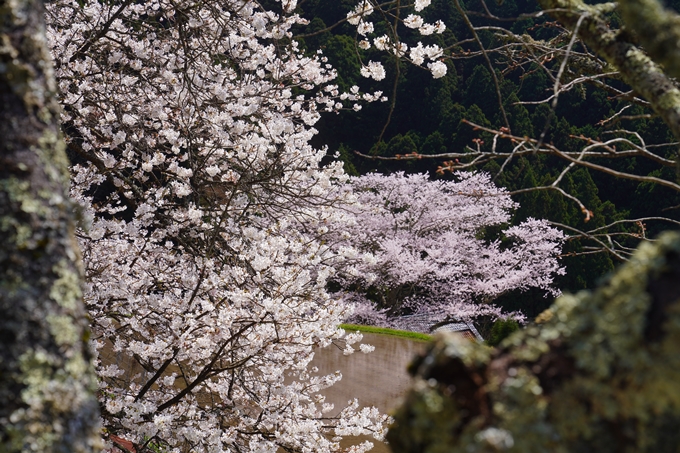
(444, 246)
(588, 48)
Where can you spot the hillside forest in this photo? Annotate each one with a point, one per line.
(427, 116)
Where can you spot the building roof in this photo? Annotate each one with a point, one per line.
(466, 328)
(437, 322)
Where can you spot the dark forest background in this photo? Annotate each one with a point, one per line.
(427, 120)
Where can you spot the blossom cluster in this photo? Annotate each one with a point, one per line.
(430, 246)
(206, 253)
(360, 17)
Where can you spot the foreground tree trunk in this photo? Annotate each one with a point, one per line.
(598, 372)
(47, 384)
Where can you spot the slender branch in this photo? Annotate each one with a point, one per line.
(636, 68)
(206, 371)
(596, 239)
(155, 377)
(103, 31)
(471, 27)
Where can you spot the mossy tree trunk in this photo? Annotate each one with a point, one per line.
(47, 383)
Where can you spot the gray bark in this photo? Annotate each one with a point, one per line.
(658, 30)
(47, 383)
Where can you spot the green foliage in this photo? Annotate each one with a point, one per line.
(435, 143)
(479, 89)
(401, 145)
(345, 156)
(341, 54)
(500, 330)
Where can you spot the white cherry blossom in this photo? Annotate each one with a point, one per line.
(429, 236)
(207, 257)
(413, 21)
(421, 4)
(438, 69)
(374, 70)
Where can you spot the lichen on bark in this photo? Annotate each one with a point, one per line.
(658, 30)
(47, 384)
(599, 372)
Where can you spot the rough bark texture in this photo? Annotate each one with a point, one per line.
(637, 69)
(599, 372)
(47, 384)
(658, 29)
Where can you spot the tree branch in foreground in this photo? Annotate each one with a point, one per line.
(636, 68)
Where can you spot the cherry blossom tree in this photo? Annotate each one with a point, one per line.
(586, 49)
(213, 230)
(434, 245)
(189, 125)
(392, 14)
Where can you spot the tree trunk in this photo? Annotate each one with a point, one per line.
(47, 383)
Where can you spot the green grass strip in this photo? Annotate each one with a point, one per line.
(385, 331)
